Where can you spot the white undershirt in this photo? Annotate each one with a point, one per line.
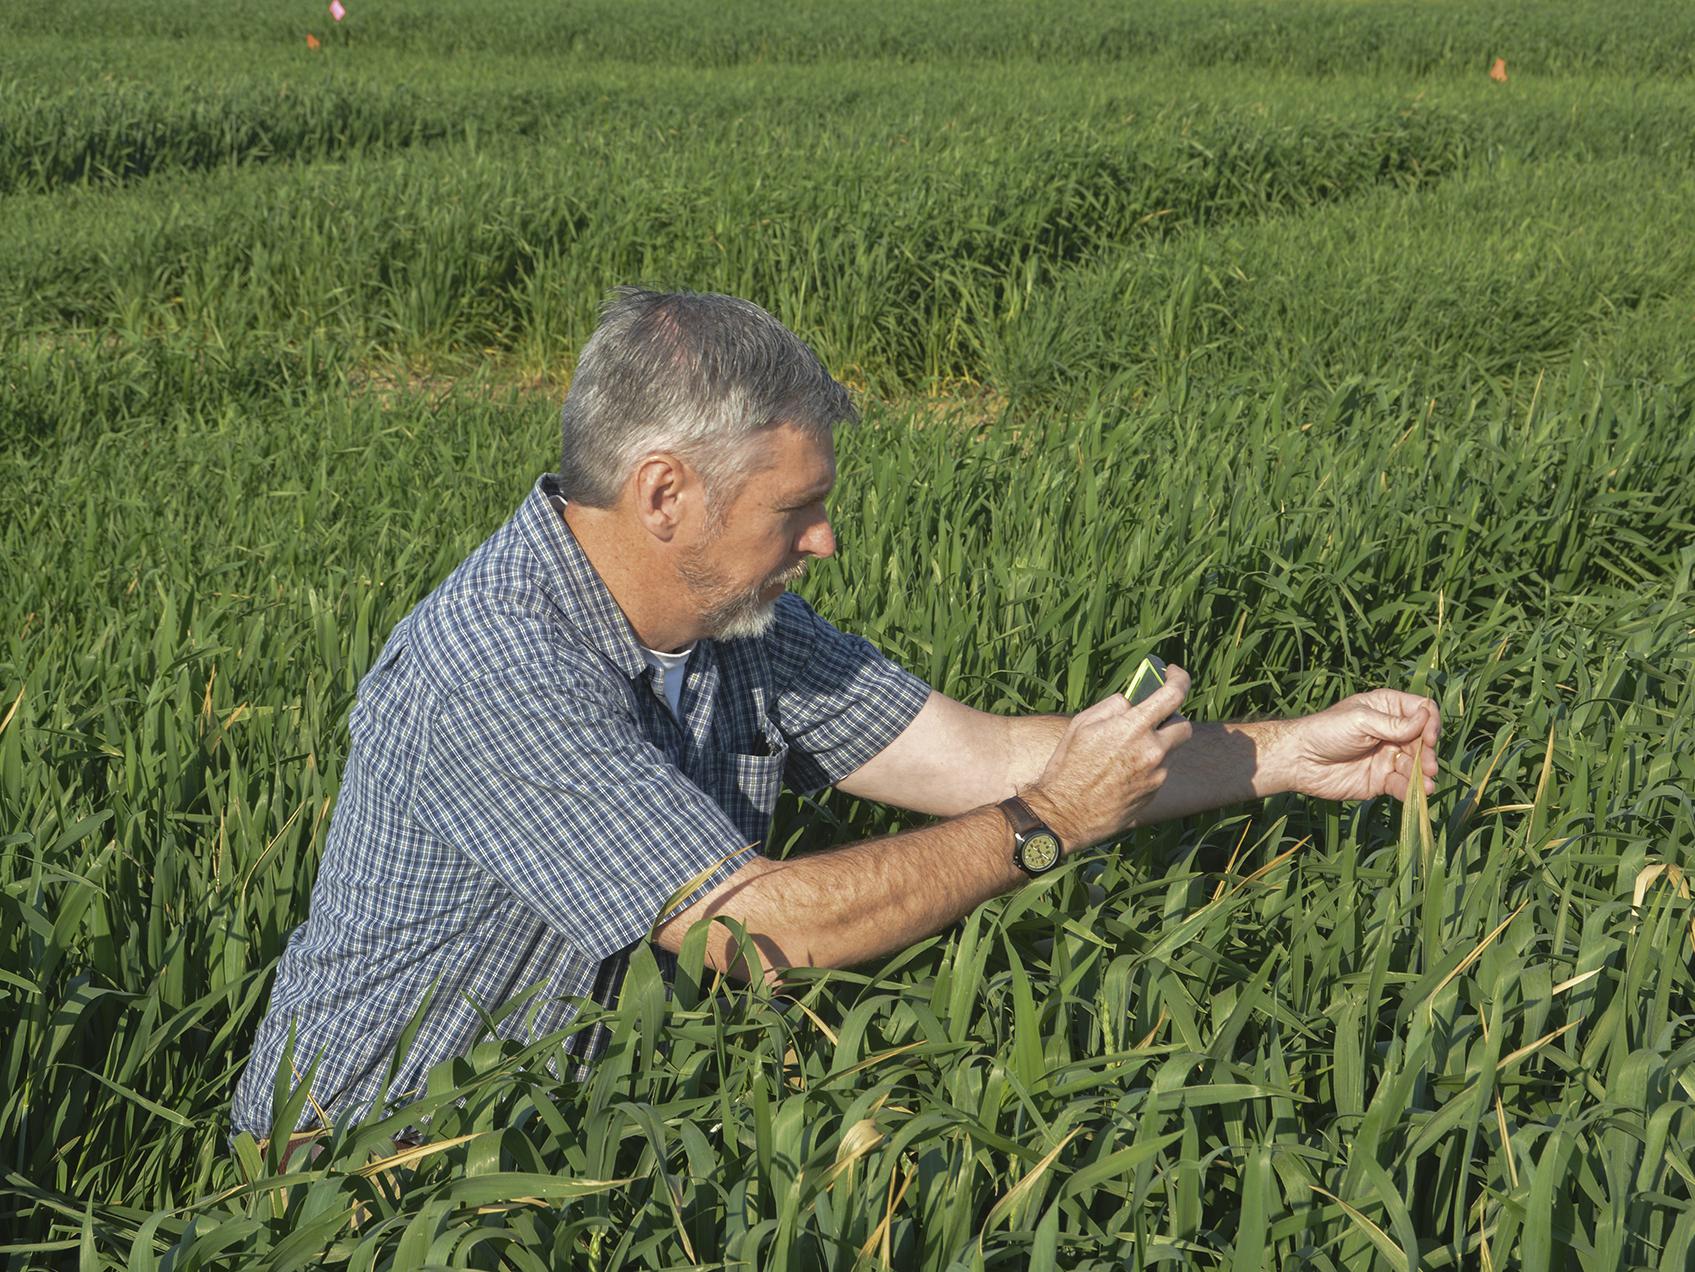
(671, 668)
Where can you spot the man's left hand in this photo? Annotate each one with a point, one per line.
(1363, 746)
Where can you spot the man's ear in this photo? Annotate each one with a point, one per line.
(663, 487)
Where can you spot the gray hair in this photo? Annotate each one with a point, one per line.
(699, 375)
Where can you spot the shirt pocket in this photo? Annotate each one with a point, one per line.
(746, 785)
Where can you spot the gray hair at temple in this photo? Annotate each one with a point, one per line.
(700, 375)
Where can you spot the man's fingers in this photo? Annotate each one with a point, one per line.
(1398, 701)
(1108, 708)
(1423, 735)
(1394, 728)
(1163, 702)
(1157, 707)
(1174, 735)
(1401, 775)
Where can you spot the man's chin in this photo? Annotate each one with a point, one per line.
(747, 620)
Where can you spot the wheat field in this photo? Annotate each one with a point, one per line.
(1278, 338)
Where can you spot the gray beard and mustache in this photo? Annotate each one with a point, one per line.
(733, 615)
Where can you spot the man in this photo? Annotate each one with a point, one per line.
(601, 704)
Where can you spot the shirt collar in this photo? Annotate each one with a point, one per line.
(578, 590)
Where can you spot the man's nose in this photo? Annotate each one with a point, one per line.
(819, 539)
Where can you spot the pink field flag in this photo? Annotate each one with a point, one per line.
(337, 10)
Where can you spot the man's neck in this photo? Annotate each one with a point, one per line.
(640, 585)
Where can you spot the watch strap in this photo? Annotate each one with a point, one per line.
(1023, 820)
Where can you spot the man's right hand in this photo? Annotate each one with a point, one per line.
(1109, 764)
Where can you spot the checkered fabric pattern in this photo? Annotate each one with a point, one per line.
(519, 802)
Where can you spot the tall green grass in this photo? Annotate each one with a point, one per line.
(191, 659)
(161, 108)
(920, 227)
(1256, 349)
(1315, 37)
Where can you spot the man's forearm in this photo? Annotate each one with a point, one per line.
(846, 905)
(1029, 744)
(843, 906)
(1222, 764)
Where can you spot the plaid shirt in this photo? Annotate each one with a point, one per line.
(519, 802)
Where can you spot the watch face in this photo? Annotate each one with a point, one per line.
(1040, 851)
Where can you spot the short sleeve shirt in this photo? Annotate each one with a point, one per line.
(519, 803)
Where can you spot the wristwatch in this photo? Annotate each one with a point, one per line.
(1035, 848)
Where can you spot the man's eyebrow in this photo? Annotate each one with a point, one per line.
(811, 495)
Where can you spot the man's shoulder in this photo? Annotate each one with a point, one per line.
(794, 624)
(797, 634)
(495, 617)
(785, 644)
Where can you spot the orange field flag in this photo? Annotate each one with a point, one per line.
(311, 41)
(1498, 72)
